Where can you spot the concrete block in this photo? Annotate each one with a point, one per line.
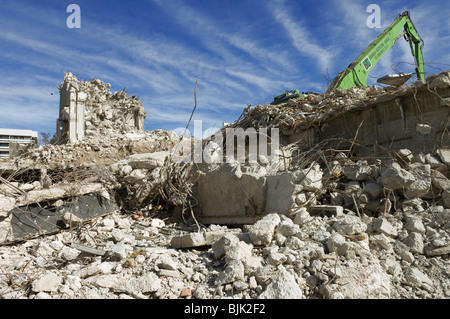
(283, 286)
(415, 225)
(326, 210)
(225, 198)
(446, 198)
(49, 282)
(415, 242)
(373, 189)
(261, 233)
(422, 182)
(147, 160)
(439, 180)
(444, 155)
(358, 172)
(310, 178)
(188, 241)
(233, 271)
(394, 177)
(350, 225)
(441, 81)
(381, 225)
(280, 192)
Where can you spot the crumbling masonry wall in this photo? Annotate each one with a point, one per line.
(89, 107)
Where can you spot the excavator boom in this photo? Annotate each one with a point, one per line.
(355, 75)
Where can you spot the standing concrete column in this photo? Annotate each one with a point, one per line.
(81, 101)
(73, 115)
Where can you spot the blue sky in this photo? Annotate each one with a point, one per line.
(244, 52)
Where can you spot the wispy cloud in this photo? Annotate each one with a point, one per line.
(301, 38)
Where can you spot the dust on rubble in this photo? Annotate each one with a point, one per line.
(323, 221)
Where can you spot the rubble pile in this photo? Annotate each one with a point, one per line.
(101, 148)
(328, 225)
(302, 112)
(110, 113)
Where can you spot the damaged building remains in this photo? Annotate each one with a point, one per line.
(355, 205)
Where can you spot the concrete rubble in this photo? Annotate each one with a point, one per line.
(330, 222)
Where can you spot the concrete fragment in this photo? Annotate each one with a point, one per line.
(294, 243)
(188, 240)
(310, 178)
(233, 271)
(287, 227)
(275, 258)
(415, 242)
(238, 251)
(372, 282)
(381, 225)
(415, 225)
(144, 284)
(71, 220)
(423, 129)
(405, 154)
(433, 161)
(441, 81)
(422, 183)
(120, 250)
(6, 205)
(166, 262)
(417, 278)
(394, 177)
(261, 233)
(49, 282)
(380, 240)
(350, 225)
(283, 286)
(281, 192)
(301, 216)
(439, 180)
(220, 246)
(440, 251)
(226, 199)
(373, 189)
(444, 155)
(147, 160)
(337, 243)
(326, 210)
(358, 172)
(446, 198)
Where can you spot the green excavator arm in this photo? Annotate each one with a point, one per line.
(355, 75)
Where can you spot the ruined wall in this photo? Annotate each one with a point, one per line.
(89, 108)
(415, 117)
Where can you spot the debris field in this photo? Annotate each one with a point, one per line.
(110, 216)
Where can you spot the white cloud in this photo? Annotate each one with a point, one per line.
(302, 39)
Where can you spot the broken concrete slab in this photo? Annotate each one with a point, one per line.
(381, 225)
(422, 183)
(147, 160)
(201, 238)
(34, 220)
(228, 199)
(444, 155)
(394, 177)
(439, 180)
(281, 191)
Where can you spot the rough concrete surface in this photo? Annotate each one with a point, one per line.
(328, 223)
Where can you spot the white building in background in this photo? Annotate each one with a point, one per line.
(8, 137)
